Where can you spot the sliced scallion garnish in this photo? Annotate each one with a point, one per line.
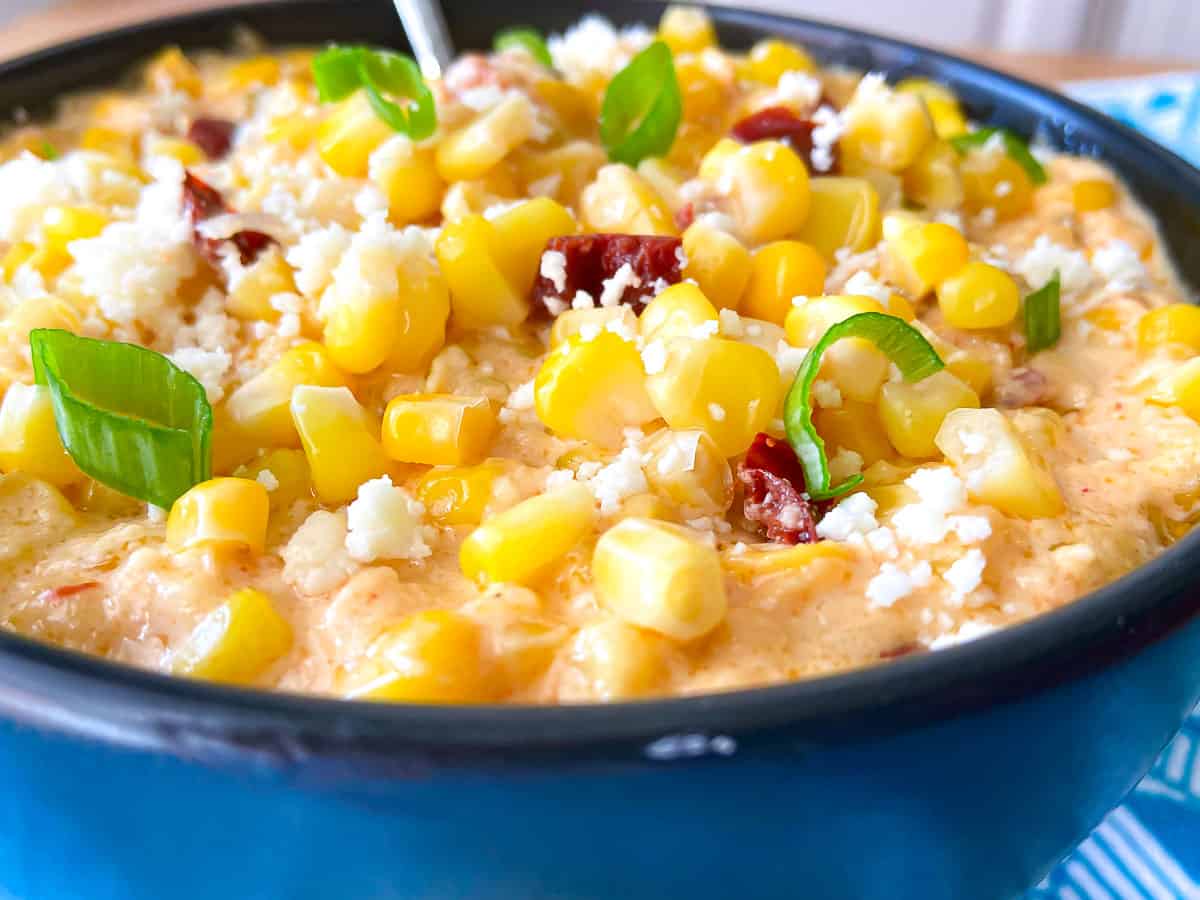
(48, 151)
(386, 77)
(900, 342)
(129, 417)
(642, 107)
(528, 39)
(1043, 318)
(1016, 148)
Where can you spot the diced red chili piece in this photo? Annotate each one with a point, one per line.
(902, 650)
(213, 136)
(775, 492)
(202, 201)
(778, 123)
(592, 259)
(53, 595)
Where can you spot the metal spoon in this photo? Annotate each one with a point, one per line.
(427, 33)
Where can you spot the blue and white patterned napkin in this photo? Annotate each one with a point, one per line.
(1149, 847)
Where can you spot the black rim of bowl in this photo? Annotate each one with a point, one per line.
(77, 693)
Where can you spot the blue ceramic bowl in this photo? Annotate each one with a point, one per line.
(960, 774)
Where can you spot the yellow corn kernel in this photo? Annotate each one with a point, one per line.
(755, 562)
(570, 168)
(704, 94)
(727, 389)
(781, 272)
(948, 118)
(975, 371)
(765, 185)
(693, 141)
(686, 29)
(460, 495)
(473, 150)
(718, 263)
(359, 329)
(340, 441)
(237, 642)
(1000, 469)
(468, 198)
(979, 296)
(16, 256)
(221, 511)
(571, 106)
(688, 468)
(408, 175)
(297, 129)
(897, 221)
(520, 544)
(522, 233)
(934, 180)
(29, 440)
(676, 312)
(438, 429)
(480, 293)
(855, 365)
(621, 201)
(844, 212)
(885, 128)
(523, 650)
(250, 295)
(1175, 324)
(658, 576)
(260, 408)
(114, 143)
(666, 178)
(1093, 194)
(923, 256)
(424, 311)
(913, 413)
(771, 58)
(171, 71)
(257, 70)
(1179, 388)
(433, 656)
(650, 506)
(992, 180)
(617, 661)
(593, 389)
(288, 473)
(60, 226)
(348, 137)
(574, 321)
(181, 150)
(40, 312)
(854, 426)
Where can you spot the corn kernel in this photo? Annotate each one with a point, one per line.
(171, 71)
(651, 506)
(523, 650)
(593, 389)
(1175, 324)
(288, 472)
(471, 151)
(688, 468)
(974, 370)
(771, 58)
(727, 389)
(522, 234)
(913, 413)
(222, 511)
(569, 168)
(29, 440)
(480, 293)
(617, 661)
(408, 175)
(844, 212)
(459, 496)
(886, 129)
(718, 263)
(765, 184)
(1093, 194)
(676, 312)
(855, 365)
(897, 221)
(520, 544)
(40, 312)
(434, 656)
(237, 642)
(621, 201)
(658, 576)
(299, 130)
(992, 180)
(781, 272)
(756, 562)
(704, 94)
(923, 256)
(943, 106)
(1179, 388)
(686, 29)
(854, 426)
(348, 137)
(575, 321)
(257, 70)
(998, 467)
(438, 429)
(181, 150)
(60, 226)
(250, 296)
(260, 407)
(571, 106)
(979, 296)
(934, 180)
(340, 441)
(17, 255)
(114, 143)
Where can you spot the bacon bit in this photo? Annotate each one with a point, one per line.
(779, 123)
(1025, 387)
(200, 202)
(903, 650)
(594, 258)
(213, 136)
(774, 487)
(685, 216)
(55, 595)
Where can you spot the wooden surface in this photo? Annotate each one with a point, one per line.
(75, 18)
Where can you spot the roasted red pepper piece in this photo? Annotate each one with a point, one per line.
(213, 136)
(778, 123)
(591, 259)
(775, 492)
(202, 201)
(54, 595)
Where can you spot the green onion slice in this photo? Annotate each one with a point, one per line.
(1043, 318)
(1014, 146)
(386, 77)
(129, 417)
(48, 151)
(642, 107)
(528, 39)
(899, 341)
(335, 71)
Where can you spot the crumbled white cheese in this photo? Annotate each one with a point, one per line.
(965, 575)
(949, 217)
(621, 478)
(1002, 189)
(594, 45)
(589, 331)
(622, 329)
(1038, 265)
(1119, 264)
(654, 357)
(583, 300)
(315, 257)
(940, 492)
(970, 529)
(731, 323)
(882, 541)
(315, 560)
(827, 394)
(893, 584)
(705, 330)
(797, 89)
(681, 257)
(481, 98)
(864, 284)
(716, 412)
(556, 306)
(614, 288)
(521, 396)
(830, 126)
(206, 366)
(788, 358)
(969, 631)
(717, 221)
(853, 516)
(845, 464)
(384, 522)
(268, 480)
(554, 268)
(559, 478)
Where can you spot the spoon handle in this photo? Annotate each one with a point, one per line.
(427, 32)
